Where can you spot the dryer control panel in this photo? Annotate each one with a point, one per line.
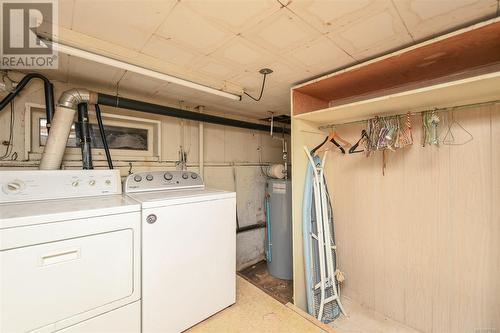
(162, 180)
(27, 185)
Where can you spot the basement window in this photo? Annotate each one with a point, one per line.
(118, 137)
(129, 138)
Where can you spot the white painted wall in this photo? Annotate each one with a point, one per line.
(231, 157)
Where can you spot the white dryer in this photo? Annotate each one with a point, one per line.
(189, 249)
(70, 264)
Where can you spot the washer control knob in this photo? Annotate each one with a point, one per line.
(194, 175)
(149, 177)
(15, 186)
(151, 218)
(75, 183)
(185, 175)
(168, 176)
(91, 182)
(137, 178)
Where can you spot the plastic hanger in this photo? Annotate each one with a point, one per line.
(364, 136)
(331, 138)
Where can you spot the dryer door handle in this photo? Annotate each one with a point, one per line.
(60, 256)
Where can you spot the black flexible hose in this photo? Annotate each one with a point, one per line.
(261, 90)
(103, 136)
(84, 136)
(49, 94)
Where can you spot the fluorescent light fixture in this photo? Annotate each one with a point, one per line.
(73, 51)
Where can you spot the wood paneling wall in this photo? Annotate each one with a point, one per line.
(422, 243)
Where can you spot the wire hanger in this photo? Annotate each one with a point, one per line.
(449, 137)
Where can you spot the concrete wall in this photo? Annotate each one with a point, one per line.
(231, 157)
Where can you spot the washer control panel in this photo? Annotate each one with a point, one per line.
(27, 185)
(162, 180)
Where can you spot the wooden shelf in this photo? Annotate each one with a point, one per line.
(477, 89)
(461, 55)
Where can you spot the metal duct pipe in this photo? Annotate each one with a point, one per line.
(135, 105)
(58, 137)
(71, 98)
(61, 126)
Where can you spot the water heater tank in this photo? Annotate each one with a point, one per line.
(279, 240)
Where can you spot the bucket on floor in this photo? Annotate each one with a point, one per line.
(279, 240)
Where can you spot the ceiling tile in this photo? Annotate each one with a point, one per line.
(223, 43)
(284, 73)
(169, 51)
(215, 69)
(428, 18)
(234, 15)
(59, 74)
(175, 92)
(242, 52)
(320, 56)
(137, 83)
(66, 13)
(379, 33)
(127, 23)
(281, 32)
(250, 82)
(81, 70)
(327, 14)
(186, 26)
(370, 31)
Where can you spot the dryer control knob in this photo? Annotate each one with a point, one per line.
(151, 218)
(185, 176)
(168, 176)
(137, 178)
(13, 187)
(194, 175)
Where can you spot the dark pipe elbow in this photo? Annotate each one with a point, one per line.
(48, 88)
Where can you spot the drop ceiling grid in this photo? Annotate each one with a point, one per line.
(237, 56)
(444, 16)
(128, 23)
(184, 20)
(297, 39)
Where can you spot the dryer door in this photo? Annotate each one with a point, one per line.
(48, 282)
(189, 263)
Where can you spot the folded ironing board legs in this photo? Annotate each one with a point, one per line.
(323, 294)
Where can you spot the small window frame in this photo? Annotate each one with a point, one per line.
(33, 149)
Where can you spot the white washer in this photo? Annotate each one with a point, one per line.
(70, 264)
(189, 249)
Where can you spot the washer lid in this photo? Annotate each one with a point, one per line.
(178, 197)
(44, 211)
